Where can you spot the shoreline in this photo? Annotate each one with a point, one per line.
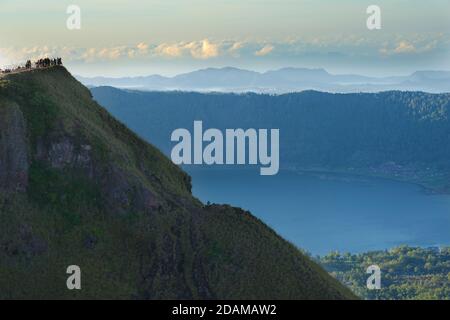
(426, 188)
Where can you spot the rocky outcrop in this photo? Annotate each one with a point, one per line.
(14, 159)
(64, 152)
(121, 191)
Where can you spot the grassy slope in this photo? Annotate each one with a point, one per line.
(179, 249)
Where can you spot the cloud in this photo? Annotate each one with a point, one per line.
(264, 51)
(204, 49)
(236, 46)
(14, 55)
(142, 46)
(404, 47)
(113, 53)
(170, 50)
(418, 45)
(141, 49)
(89, 54)
(314, 48)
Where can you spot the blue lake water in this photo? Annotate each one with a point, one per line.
(322, 213)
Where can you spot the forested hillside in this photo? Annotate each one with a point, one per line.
(406, 272)
(404, 135)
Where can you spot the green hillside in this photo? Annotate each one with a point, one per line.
(78, 187)
(394, 134)
(408, 273)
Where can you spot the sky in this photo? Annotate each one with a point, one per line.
(137, 37)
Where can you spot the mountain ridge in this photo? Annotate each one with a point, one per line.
(393, 134)
(78, 187)
(289, 79)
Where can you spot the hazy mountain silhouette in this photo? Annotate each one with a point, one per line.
(279, 81)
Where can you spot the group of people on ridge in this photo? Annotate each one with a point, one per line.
(38, 64)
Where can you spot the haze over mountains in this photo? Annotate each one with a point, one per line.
(284, 80)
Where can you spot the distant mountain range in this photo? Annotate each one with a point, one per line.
(278, 81)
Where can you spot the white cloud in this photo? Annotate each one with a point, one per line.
(142, 46)
(111, 53)
(170, 50)
(14, 55)
(404, 47)
(204, 49)
(264, 51)
(235, 47)
(420, 45)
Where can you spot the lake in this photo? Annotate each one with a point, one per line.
(322, 213)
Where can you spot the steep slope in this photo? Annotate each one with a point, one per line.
(78, 187)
